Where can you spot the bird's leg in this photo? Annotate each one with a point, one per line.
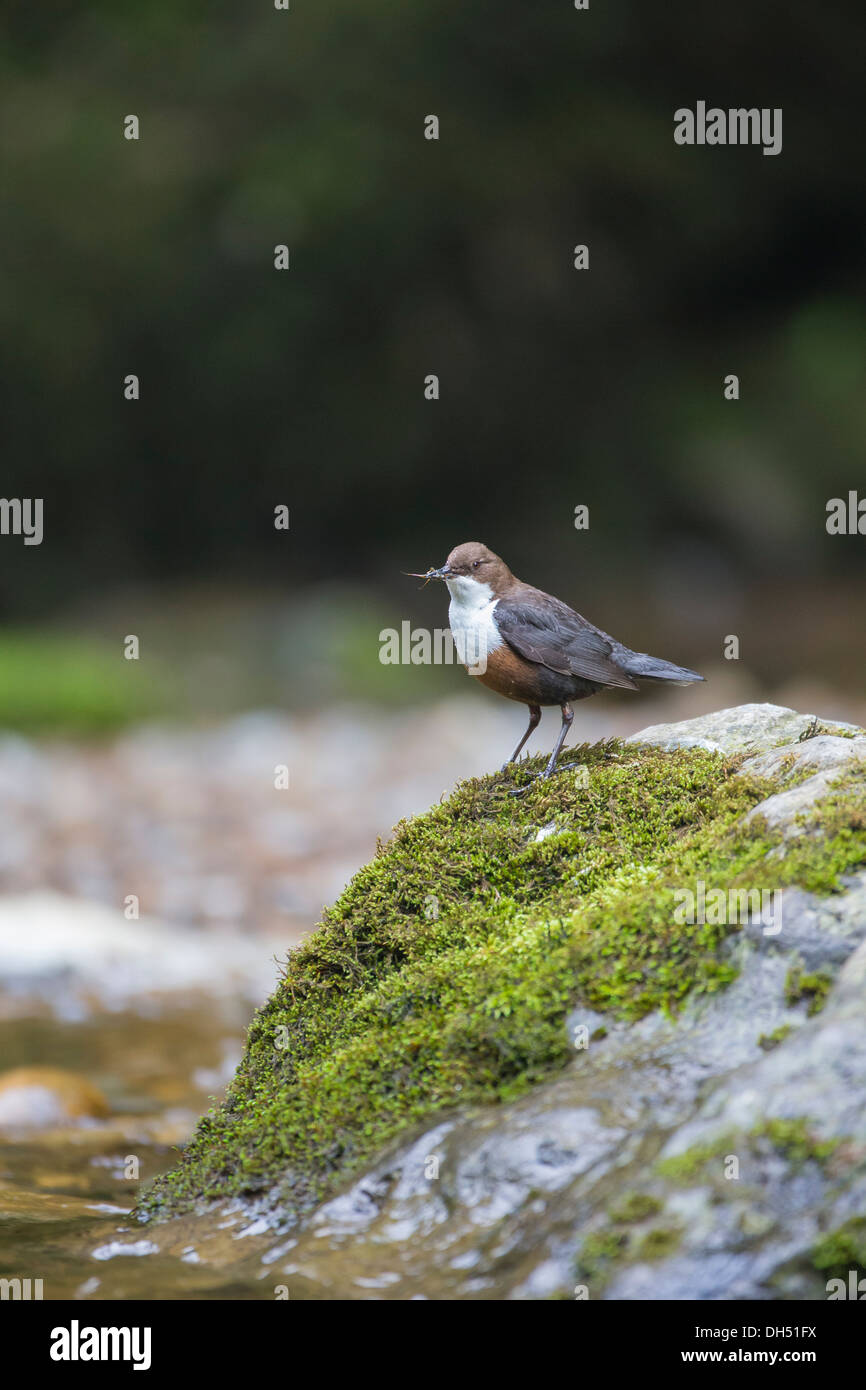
(567, 717)
(534, 717)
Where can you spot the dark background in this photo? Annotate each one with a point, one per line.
(410, 257)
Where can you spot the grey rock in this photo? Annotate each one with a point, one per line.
(824, 753)
(744, 728)
(822, 931)
(784, 810)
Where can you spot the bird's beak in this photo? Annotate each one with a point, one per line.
(442, 573)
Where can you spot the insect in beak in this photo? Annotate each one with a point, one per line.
(431, 574)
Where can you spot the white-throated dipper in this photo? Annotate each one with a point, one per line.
(533, 648)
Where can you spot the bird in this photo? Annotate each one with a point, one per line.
(533, 648)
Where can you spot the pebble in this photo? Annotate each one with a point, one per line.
(45, 1097)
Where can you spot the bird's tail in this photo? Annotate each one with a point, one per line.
(652, 668)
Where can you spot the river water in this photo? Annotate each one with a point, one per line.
(66, 1192)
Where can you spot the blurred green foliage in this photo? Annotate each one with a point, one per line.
(208, 660)
(260, 127)
(52, 683)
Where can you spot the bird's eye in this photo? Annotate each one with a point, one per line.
(475, 564)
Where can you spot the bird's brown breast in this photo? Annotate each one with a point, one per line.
(509, 675)
(530, 683)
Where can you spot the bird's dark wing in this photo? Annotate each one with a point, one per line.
(553, 635)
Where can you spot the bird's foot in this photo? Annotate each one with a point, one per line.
(521, 791)
(543, 776)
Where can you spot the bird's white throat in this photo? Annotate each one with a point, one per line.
(470, 616)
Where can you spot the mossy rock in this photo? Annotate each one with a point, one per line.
(444, 973)
(442, 978)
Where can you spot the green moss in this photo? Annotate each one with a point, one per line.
(634, 1206)
(794, 1139)
(658, 1243)
(444, 973)
(816, 728)
(843, 1250)
(834, 840)
(814, 987)
(598, 1253)
(705, 1162)
(693, 1165)
(767, 1041)
(606, 1248)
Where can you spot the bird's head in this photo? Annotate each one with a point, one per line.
(471, 565)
